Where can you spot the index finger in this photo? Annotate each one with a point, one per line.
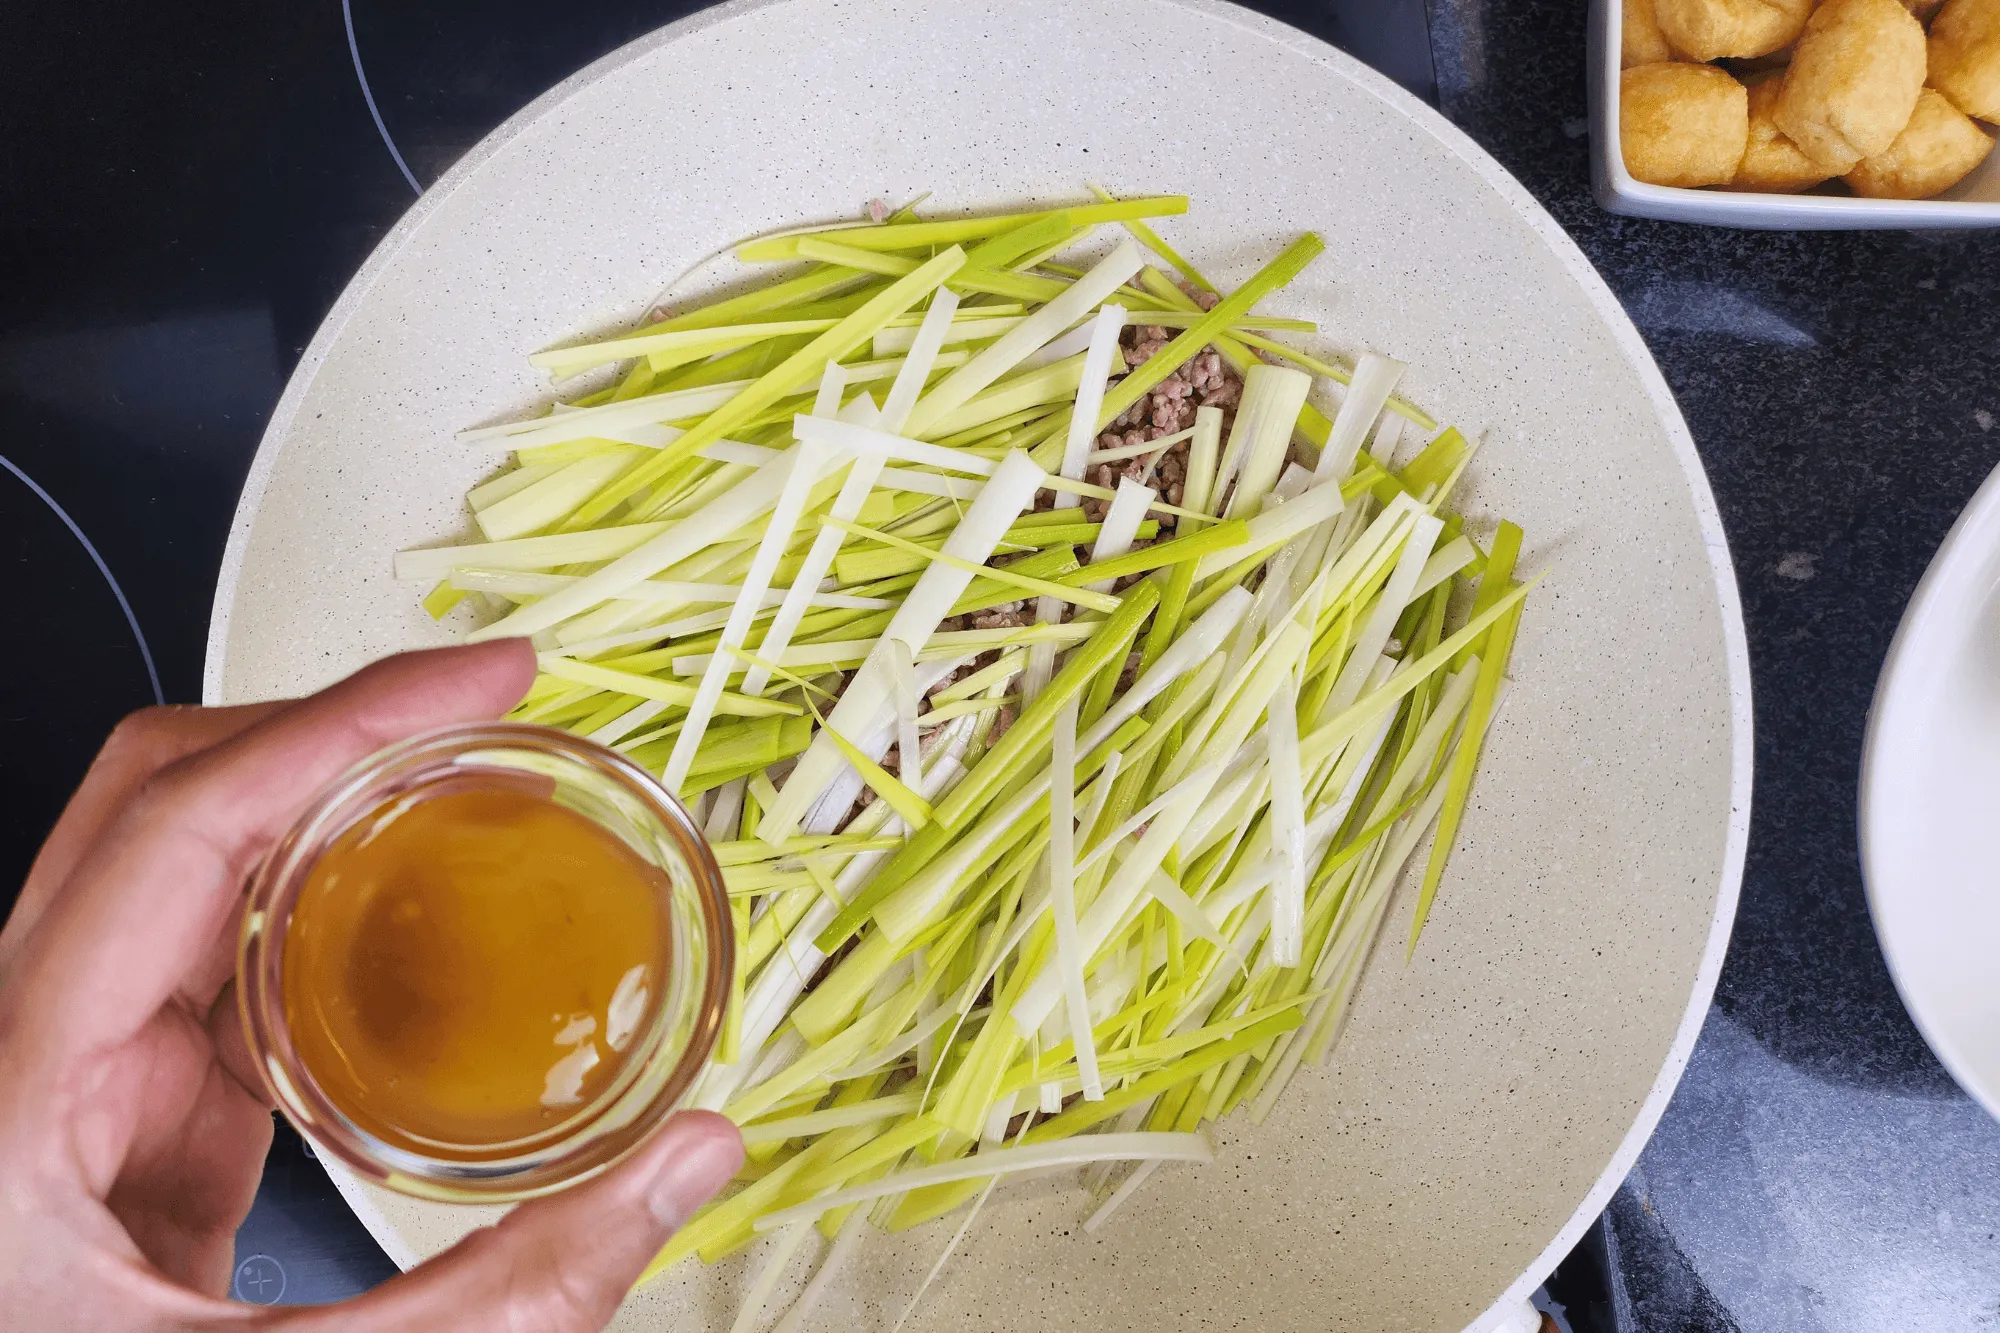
(147, 900)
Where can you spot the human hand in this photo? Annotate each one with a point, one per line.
(133, 1125)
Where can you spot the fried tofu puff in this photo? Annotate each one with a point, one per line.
(1772, 163)
(1643, 43)
(1965, 56)
(1713, 29)
(1681, 124)
(1853, 83)
(1933, 153)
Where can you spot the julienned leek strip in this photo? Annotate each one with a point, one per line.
(922, 235)
(1145, 378)
(1096, 601)
(856, 329)
(663, 691)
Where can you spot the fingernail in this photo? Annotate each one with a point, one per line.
(702, 1152)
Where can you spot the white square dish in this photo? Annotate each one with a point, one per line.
(1973, 202)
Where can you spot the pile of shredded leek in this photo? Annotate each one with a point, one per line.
(1130, 857)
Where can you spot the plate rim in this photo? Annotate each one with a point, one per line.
(1420, 116)
(1948, 566)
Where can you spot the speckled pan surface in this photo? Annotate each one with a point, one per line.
(1488, 1097)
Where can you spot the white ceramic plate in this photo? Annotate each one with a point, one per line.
(1930, 798)
(1973, 202)
(1488, 1098)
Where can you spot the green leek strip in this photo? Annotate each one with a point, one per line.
(1084, 1115)
(1009, 246)
(1498, 575)
(1104, 647)
(922, 235)
(1406, 410)
(1225, 536)
(931, 841)
(787, 378)
(1096, 601)
(819, 282)
(1464, 765)
(662, 691)
(748, 850)
(1349, 721)
(991, 282)
(1145, 378)
(1147, 237)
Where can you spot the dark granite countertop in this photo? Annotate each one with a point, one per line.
(185, 192)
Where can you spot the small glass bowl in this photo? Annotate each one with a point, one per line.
(666, 1058)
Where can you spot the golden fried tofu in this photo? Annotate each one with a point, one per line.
(1712, 29)
(1640, 33)
(1933, 153)
(1681, 124)
(1772, 164)
(1965, 56)
(1853, 83)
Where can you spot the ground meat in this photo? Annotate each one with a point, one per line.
(998, 619)
(1205, 299)
(879, 210)
(1001, 721)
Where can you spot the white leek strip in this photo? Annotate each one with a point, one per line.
(628, 722)
(1288, 826)
(1061, 349)
(862, 440)
(744, 502)
(777, 536)
(431, 563)
(1116, 898)
(608, 418)
(1201, 491)
(958, 1236)
(1100, 350)
(838, 1117)
(903, 689)
(1174, 898)
(1100, 346)
(1078, 1151)
(1075, 301)
(1278, 525)
(751, 1313)
(852, 1232)
(1446, 561)
(1062, 898)
(1005, 495)
(975, 327)
(1272, 397)
(1374, 634)
(1367, 394)
(945, 644)
(509, 483)
(861, 476)
(1121, 452)
(1200, 640)
(1126, 1189)
(670, 591)
(551, 499)
(1121, 525)
(929, 483)
(1387, 435)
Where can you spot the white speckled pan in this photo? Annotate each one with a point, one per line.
(1487, 1098)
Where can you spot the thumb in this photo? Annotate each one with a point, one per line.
(559, 1264)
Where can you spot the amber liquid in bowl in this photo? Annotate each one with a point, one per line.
(469, 968)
